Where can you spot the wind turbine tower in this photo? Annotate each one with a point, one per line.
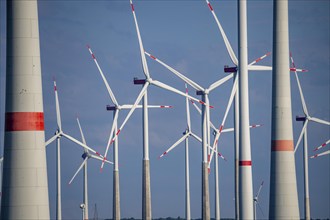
(245, 164)
(25, 188)
(283, 203)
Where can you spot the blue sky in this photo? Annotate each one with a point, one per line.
(184, 35)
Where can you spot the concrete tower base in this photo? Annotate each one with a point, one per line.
(116, 196)
(146, 192)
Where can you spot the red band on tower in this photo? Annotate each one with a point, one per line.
(24, 121)
(245, 163)
(282, 145)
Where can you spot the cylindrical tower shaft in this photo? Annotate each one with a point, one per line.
(283, 196)
(146, 190)
(85, 197)
(116, 191)
(245, 164)
(306, 179)
(205, 173)
(25, 186)
(188, 216)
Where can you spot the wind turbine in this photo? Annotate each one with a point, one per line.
(256, 201)
(207, 154)
(305, 119)
(116, 108)
(86, 155)
(186, 134)
(322, 145)
(58, 134)
(146, 207)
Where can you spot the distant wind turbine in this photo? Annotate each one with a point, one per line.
(256, 201)
(305, 119)
(116, 108)
(58, 134)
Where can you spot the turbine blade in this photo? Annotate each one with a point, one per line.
(196, 107)
(321, 154)
(58, 112)
(177, 73)
(232, 95)
(220, 82)
(101, 159)
(259, 68)
(322, 145)
(188, 109)
(319, 121)
(52, 139)
(300, 89)
(196, 137)
(174, 145)
(80, 167)
(142, 92)
(228, 46)
(167, 87)
(114, 123)
(259, 59)
(81, 144)
(232, 129)
(143, 58)
(112, 96)
(301, 135)
(81, 132)
(260, 187)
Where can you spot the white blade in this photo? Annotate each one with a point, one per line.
(167, 87)
(81, 132)
(81, 144)
(112, 96)
(261, 185)
(232, 129)
(144, 89)
(143, 58)
(209, 147)
(259, 59)
(300, 89)
(301, 135)
(196, 107)
(114, 123)
(259, 68)
(322, 145)
(321, 154)
(319, 121)
(58, 113)
(52, 139)
(228, 46)
(188, 109)
(174, 145)
(126, 106)
(233, 92)
(81, 166)
(101, 159)
(177, 73)
(220, 82)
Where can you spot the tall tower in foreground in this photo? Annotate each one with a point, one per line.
(25, 186)
(283, 199)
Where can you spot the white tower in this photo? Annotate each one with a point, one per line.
(283, 198)
(245, 164)
(25, 186)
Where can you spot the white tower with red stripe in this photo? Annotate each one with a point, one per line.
(25, 186)
(245, 164)
(283, 203)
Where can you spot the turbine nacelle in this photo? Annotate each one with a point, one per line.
(139, 81)
(300, 118)
(228, 69)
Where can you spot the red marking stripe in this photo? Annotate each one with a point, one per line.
(210, 6)
(245, 163)
(93, 56)
(132, 6)
(153, 57)
(323, 144)
(118, 132)
(24, 121)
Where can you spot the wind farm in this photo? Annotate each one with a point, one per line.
(139, 56)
